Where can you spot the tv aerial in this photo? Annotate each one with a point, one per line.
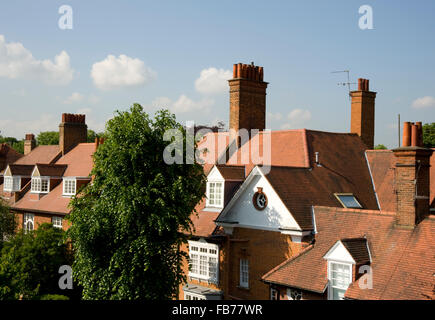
(348, 83)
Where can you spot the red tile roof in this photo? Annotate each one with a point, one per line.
(232, 172)
(79, 160)
(21, 169)
(8, 154)
(41, 154)
(402, 259)
(51, 170)
(358, 249)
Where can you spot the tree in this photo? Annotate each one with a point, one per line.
(8, 223)
(48, 138)
(380, 147)
(429, 135)
(128, 225)
(16, 144)
(29, 263)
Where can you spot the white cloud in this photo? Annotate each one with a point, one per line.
(73, 98)
(424, 102)
(183, 104)
(295, 119)
(17, 62)
(112, 72)
(45, 122)
(213, 81)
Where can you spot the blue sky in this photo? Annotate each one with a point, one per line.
(178, 54)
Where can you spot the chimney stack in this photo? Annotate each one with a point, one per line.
(247, 98)
(412, 177)
(29, 143)
(72, 131)
(363, 113)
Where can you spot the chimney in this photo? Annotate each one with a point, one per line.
(247, 98)
(72, 131)
(29, 143)
(363, 113)
(412, 177)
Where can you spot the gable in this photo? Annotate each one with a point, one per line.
(339, 253)
(35, 172)
(275, 217)
(215, 175)
(7, 172)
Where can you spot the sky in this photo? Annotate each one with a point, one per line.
(179, 55)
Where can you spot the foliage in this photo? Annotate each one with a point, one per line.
(48, 138)
(128, 224)
(429, 135)
(8, 223)
(16, 144)
(53, 297)
(29, 263)
(380, 147)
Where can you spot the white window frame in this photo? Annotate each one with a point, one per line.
(332, 287)
(208, 254)
(27, 219)
(244, 273)
(274, 294)
(212, 202)
(57, 222)
(193, 296)
(36, 184)
(12, 183)
(66, 187)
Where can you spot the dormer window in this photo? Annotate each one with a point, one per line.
(215, 194)
(348, 200)
(340, 277)
(40, 185)
(69, 186)
(12, 184)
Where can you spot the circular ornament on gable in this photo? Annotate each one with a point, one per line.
(259, 200)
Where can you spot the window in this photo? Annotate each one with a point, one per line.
(204, 261)
(69, 186)
(12, 184)
(340, 276)
(259, 200)
(348, 200)
(57, 222)
(28, 222)
(215, 194)
(274, 294)
(40, 185)
(244, 273)
(191, 296)
(293, 294)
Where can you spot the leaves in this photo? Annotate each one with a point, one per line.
(128, 224)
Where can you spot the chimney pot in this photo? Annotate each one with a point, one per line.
(414, 135)
(406, 134)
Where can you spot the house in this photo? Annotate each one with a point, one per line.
(258, 215)
(371, 254)
(38, 186)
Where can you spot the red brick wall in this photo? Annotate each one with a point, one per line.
(264, 251)
(363, 116)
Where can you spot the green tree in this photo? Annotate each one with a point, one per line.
(18, 145)
(128, 224)
(429, 135)
(48, 137)
(8, 223)
(380, 147)
(29, 263)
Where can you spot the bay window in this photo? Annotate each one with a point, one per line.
(204, 261)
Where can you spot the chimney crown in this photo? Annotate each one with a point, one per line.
(30, 137)
(412, 134)
(73, 118)
(247, 71)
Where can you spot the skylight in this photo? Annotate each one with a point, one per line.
(348, 200)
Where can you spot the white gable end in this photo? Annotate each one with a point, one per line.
(215, 175)
(274, 217)
(339, 253)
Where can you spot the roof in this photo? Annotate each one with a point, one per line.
(232, 172)
(358, 249)
(79, 160)
(76, 163)
(296, 178)
(402, 264)
(21, 169)
(51, 170)
(9, 154)
(41, 154)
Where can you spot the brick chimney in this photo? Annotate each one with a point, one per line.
(412, 177)
(29, 143)
(72, 131)
(247, 98)
(363, 113)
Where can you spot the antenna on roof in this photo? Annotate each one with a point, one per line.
(348, 83)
